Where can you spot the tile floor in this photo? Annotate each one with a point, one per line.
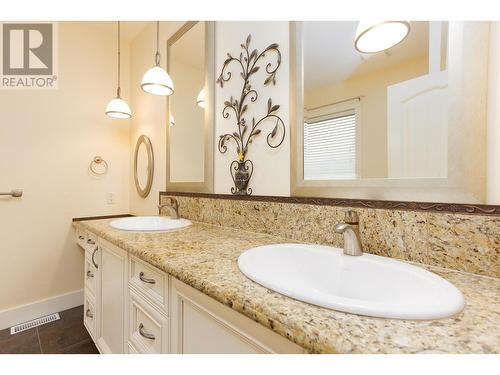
(64, 336)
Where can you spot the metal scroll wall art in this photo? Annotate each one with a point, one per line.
(241, 169)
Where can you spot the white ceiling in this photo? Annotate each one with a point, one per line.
(128, 29)
(330, 57)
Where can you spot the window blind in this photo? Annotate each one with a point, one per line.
(330, 148)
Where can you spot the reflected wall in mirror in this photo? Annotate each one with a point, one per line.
(143, 166)
(189, 117)
(407, 123)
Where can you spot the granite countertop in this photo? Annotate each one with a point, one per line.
(205, 257)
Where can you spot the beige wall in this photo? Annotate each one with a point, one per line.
(149, 113)
(272, 166)
(493, 130)
(47, 140)
(372, 88)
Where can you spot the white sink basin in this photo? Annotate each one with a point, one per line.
(366, 285)
(150, 224)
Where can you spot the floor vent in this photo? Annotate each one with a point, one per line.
(34, 323)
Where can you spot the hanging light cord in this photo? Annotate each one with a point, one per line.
(157, 54)
(118, 88)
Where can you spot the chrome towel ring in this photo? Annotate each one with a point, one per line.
(98, 166)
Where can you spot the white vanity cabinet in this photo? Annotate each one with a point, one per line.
(112, 298)
(88, 242)
(133, 307)
(200, 324)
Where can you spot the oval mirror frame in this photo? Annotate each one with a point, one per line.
(144, 192)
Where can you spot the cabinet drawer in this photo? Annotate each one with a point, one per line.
(151, 282)
(91, 241)
(90, 276)
(81, 237)
(89, 315)
(148, 328)
(92, 255)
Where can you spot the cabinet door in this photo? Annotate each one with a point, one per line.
(112, 299)
(199, 324)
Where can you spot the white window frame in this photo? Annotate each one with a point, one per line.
(331, 111)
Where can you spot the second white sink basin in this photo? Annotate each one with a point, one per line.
(150, 224)
(366, 285)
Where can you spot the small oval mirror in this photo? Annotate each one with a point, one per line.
(143, 166)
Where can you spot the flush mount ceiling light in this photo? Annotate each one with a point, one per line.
(378, 36)
(156, 80)
(200, 100)
(117, 107)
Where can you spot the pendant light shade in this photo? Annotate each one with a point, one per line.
(156, 80)
(117, 107)
(378, 36)
(200, 100)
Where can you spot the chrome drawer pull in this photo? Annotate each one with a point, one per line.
(90, 241)
(145, 279)
(90, 274)
(93, 254)
(145, 334)
(89, 314)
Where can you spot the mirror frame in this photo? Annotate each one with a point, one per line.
(209, 122)
(143, 139)
(467, 108)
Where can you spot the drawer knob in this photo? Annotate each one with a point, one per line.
(90, 274)
(145, 334)
(89, 314)
(81, 237)
(90, 241)
(145, 279)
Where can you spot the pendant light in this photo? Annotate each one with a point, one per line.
(378, 36)
(200, 100)
(117, 107)
(156, 80)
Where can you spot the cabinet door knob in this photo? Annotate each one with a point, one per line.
(81, 237)
(89, 314)
(93, 254)
(145, 279)
(90, 241)
(90, 274)
(145, 334)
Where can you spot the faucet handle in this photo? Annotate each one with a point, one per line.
(174, 202)
(351, 217)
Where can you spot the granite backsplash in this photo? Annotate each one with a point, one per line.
(463, 242)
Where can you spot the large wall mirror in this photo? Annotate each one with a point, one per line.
(406, 123)
(143, 166)
(190, 114)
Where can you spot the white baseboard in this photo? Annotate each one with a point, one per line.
(30, 311)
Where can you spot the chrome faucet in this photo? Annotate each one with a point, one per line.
(350, 230)
(173, 207)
